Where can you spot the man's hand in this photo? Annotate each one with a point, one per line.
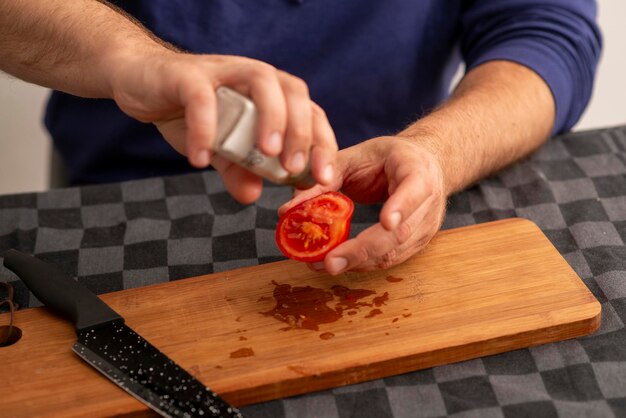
(409, 178)
(499, 113)
(93, 49)
(176, 92)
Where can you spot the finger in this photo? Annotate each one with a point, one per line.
(378, 248)
(410, 193)
(198, 98)
(324, 150)
(341, 166)
(422, 226)
(299, 131)
(244, 186)
(371, 243)
(300, 196)
(175, 132)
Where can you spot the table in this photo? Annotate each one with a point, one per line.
(137, 233)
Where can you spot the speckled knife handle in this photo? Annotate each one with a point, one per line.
(60, 292)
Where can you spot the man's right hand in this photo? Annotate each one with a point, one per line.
(176, 92)
(94, 49)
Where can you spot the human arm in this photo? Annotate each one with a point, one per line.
(500, 112)
(530, 75)
(91, 49)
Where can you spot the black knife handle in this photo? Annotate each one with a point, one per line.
(60, 292)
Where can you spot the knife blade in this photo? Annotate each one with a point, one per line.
(114, 349)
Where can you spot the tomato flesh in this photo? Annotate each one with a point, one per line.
(309, 230)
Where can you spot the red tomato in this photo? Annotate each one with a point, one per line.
(308, 231)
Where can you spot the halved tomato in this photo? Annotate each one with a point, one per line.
(308, 231)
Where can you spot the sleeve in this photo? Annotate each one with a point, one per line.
(557, 39)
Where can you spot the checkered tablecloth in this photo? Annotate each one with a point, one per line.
(132, 234)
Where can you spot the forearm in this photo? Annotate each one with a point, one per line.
(70, 46)
(499, 113)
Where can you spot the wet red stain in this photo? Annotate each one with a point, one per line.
(351, 298)
(381, 300)
(218, 367)
(326, 335)
(386, 333)
(406, 315)
(238, 319)
(242, 338)
(242, 352)
(307, 307)
(302, 306)
(373, 313)
(395, 320)
(392, 279)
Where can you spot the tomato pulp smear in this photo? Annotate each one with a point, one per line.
(309, 230)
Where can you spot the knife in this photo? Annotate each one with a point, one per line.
(114, 349)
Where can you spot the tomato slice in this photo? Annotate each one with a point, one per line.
(308, 231)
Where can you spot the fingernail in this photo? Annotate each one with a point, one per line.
(319, 266)
(297, 162)
(275, 143)
(327, 174)
(337, 264)
(395, 219)
(202, 158)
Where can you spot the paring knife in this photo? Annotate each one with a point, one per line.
(122, 355)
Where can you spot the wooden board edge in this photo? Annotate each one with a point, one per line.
(387, 368)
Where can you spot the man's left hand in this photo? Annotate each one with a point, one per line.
(408, 177)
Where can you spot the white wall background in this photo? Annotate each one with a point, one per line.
(607, 103)
(25, 148)
(24, 144)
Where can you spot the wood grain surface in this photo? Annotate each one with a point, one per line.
(474, 291)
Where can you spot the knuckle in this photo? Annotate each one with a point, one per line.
(262, 70)
(298, 85)
(403, 232)
(387, 260)
(299, 134)
(436, 193)
(190, 75)
(438, 189)
(330, 146)
(362, 254)
(202, 96)
(318, 111)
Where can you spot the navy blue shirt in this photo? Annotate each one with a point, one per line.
(375, 66)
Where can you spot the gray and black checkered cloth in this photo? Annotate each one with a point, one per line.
(137, 233)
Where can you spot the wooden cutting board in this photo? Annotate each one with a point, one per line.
(475, 291)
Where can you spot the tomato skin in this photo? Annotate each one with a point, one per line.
(311, 229)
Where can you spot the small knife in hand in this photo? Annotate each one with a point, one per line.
(122, 355)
